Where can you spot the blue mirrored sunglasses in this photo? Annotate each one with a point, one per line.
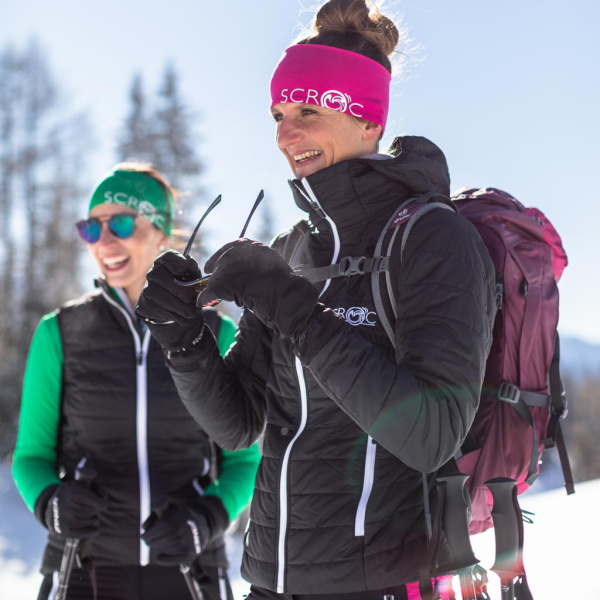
(120, 225)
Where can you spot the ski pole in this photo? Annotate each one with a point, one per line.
(86, 476)
(191, 582)
(508, 530)
(185, 569)
(66, 566)
(456, 525)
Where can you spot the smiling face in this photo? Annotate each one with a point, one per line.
(125, 262)
(312, 137)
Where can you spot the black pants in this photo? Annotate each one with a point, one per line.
(397, 593)
(139, 583)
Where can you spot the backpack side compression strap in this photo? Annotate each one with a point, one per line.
(559, 412)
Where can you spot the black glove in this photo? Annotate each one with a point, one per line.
(170, 310)
(179, 533)
(73, 510)
(254, 276)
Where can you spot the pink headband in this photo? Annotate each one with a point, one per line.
(333, 78)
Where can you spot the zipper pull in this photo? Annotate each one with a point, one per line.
(308, 199)
(140, 358)
(317, 209)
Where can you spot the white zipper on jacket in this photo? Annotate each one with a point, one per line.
(359, 523)
(141, 352)
(336, 236)
(283, 480)
(369, 474)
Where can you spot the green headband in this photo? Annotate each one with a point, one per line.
(138, 191)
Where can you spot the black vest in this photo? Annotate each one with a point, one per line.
(120, 410)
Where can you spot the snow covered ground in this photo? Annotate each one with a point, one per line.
(561, 547)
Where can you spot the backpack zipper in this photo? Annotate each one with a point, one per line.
(141, 352)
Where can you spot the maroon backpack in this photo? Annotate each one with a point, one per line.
(522, 400)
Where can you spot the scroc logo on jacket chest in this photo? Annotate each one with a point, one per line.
(357, 315)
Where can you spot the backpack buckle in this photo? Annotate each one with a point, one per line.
(499, 293)
(507, 392)
(352, 265)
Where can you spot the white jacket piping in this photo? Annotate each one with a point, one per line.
(283, 482)
(141, 352)
(369, 476)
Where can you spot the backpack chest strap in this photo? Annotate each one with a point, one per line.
(363, 265)
(348, 266)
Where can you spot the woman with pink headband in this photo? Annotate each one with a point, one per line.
(359, 409)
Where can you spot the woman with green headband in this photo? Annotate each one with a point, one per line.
(106, 453)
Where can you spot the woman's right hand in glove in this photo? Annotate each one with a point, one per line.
(168, 309)
(73, 510)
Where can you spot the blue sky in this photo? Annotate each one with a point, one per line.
(509, 90)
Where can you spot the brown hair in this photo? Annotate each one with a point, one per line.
(356, 26)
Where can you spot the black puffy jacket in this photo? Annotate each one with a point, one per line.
(338, 505)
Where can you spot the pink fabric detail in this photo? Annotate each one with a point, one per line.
(333, 78)
(444, 586)
(551, 237)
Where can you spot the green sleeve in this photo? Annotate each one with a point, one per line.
(226, 334)
(34, 461)
(236, 481)
(238, 469)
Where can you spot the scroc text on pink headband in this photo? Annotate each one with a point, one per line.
(332, 78)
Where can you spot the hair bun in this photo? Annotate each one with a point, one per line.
(355, 16)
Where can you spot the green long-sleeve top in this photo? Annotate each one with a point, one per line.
(35, 456)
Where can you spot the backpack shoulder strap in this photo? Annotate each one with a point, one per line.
(407, 217)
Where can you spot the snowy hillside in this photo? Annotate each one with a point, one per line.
(560, 547)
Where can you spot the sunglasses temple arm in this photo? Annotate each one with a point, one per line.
(261, 195)
(216, 201)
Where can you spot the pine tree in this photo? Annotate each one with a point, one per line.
(163, 134)
(42, 164)
(136, 141)
(173, 130)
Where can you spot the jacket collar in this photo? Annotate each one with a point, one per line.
(118, 295)
(356, 192)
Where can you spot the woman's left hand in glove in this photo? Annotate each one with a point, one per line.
(179, 533)
(254, 276)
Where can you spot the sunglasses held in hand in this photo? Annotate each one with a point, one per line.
(200, 284)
